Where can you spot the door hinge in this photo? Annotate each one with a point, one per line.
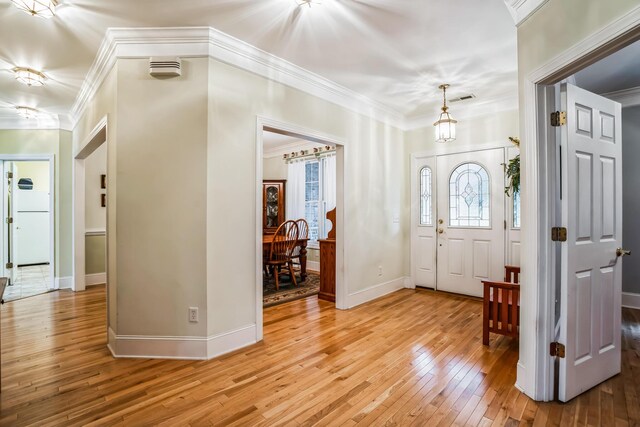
(558, 234)
(558, 118)
(9, 220)
(8, 265)
(9, 175)
(557, 350)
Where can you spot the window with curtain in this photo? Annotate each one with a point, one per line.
(311, 193)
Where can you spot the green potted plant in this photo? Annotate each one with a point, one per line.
(512, 170)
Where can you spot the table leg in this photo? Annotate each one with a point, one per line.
(303, 261)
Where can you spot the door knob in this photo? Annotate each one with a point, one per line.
(622, 252)
(440, 231)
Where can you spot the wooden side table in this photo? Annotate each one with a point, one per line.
(327, 270)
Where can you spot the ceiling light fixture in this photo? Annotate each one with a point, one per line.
(27, 112)
(29, 76)
(445, 126)
(41, 8)
(308, 2)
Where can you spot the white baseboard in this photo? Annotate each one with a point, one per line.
(520, 374)
(227, 342)
(313, 265)
(95, 279)
(408, 283)
(64, 282)
(631, 300)
(188, 348)
(374, 292)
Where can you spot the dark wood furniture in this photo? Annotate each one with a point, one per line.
(273, 205)
(501, 305)
(283, 241)
(328, 262)
(301, 243)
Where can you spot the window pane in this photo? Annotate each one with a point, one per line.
(312, 197)
(469, 197)
(516, 210)
(425, 196)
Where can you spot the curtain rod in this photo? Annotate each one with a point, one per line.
(304, 154)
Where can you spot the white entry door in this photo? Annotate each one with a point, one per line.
(423, 236)
(591, 286)
(470, 220)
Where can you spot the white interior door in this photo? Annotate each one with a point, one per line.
(471, 222)
(423, 236)
(591, 286)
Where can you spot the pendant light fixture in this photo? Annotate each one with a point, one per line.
(445, 126)
(29, 77)
(41, 8)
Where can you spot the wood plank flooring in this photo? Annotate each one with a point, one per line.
(412, 358)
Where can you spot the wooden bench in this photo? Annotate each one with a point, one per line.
(501, 305)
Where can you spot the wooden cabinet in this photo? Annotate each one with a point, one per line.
(328, 262)
(273, 205)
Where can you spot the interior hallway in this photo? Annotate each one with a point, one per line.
(410, 358)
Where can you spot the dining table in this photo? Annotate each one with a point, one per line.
(302, 243)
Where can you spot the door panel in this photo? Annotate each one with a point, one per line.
(423, 234)
(590, 294)
(471, 206)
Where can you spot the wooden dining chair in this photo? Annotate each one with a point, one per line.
(501, 305)
(281, 250)
(303, 233)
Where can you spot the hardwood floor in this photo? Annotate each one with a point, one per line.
(413, 358)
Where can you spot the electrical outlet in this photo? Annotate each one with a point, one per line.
(193, 314)
(379, 270)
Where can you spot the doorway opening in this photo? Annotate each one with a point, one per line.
(574, 182)
(299, 178)
(27, 234)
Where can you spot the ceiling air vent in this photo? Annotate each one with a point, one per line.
(165, 66)
(462, 98)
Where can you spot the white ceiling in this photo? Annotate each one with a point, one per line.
(616, 72)
(394, 51)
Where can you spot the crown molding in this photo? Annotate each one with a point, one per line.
(209, 42)
(627, 97)
(521, 10)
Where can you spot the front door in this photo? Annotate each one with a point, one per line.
(591, 285)
(470, 220)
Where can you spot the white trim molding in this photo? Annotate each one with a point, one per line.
(95, 232)
(626, 97)
(209, 42)
(95, 279)
(376, 291)
(631, 300)
(520, 10)
(187, 348)
(64, 282)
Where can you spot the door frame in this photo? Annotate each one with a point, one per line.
(415, 189)
(265, 123)
(53, 238)
(535, 373)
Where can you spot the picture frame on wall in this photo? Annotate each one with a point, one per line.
(103, 181)
(103, 200)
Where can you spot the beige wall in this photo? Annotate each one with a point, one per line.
(274, 168)
(95, 254)
(58, 143)
(38, 171)
(95, 216)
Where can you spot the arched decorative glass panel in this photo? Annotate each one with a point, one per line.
(516, 209)
(469, 196)
(425, 197)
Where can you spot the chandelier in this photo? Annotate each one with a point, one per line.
(29, 77)
(41, 8)
(445, 126)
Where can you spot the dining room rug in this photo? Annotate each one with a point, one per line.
(289, 292)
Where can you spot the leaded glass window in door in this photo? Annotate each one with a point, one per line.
(425, 197)
(469, 196)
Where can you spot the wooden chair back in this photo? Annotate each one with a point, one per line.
(284, 241)
(511, 274)
(303, 233)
